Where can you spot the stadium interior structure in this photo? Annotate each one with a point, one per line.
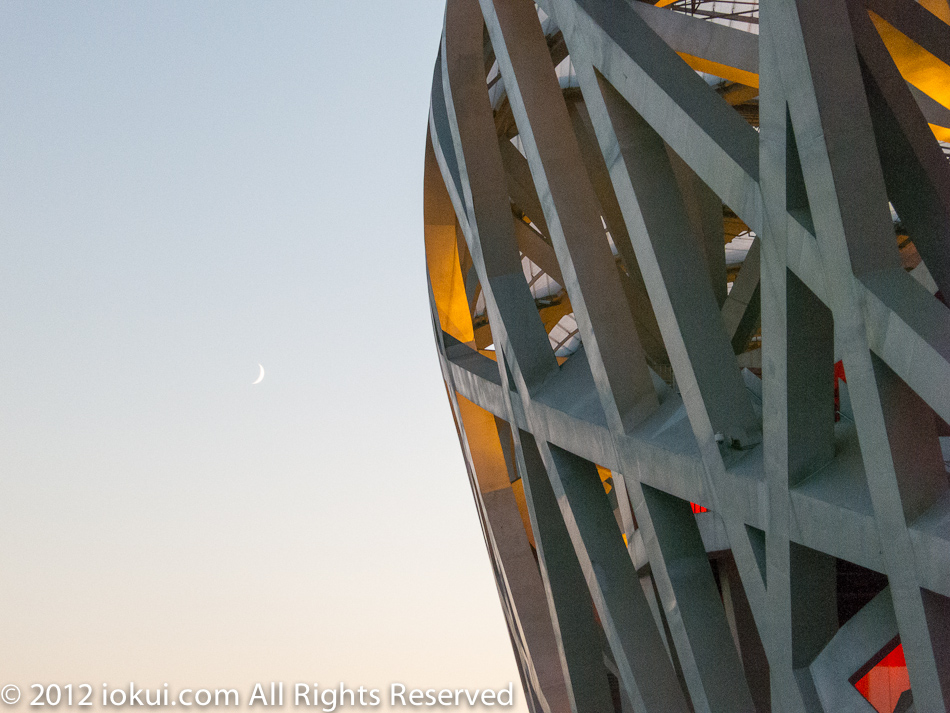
(689, 265)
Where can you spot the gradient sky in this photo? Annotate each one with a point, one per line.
(188, 189)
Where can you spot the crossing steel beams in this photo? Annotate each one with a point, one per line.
(705, 483)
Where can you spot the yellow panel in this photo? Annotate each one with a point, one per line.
(445, 274)
(917, 65)
(942, 134)
(605, 475)
(721, 70)
(442, 253)
(940, 8)
(481, 434)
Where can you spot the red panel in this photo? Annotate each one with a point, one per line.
(839, 371)
(885, 683)
(839, 374)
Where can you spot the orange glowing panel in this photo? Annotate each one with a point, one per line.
(883, 685)
(716, 69)
(918, 66)
(605, 476)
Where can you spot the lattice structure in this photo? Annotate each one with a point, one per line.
(688, 270)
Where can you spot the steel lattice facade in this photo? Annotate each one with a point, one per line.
(688, 269)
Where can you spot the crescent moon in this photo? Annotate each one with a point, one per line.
(261, 377)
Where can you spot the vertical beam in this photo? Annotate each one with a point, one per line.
(673, 265)
(809, 382)
(814, 604)
(773, 157)
(822, 81)
(915, 448)
(492, 243)
(516, 565)
(754, 661)
(704, 212)
(691, 601)
(570, 207)
(741, 312)
(646, 673)
(632, 279)
(520, 184)
(568, 601)
(916, 173)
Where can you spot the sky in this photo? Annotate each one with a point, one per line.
(188, 190)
